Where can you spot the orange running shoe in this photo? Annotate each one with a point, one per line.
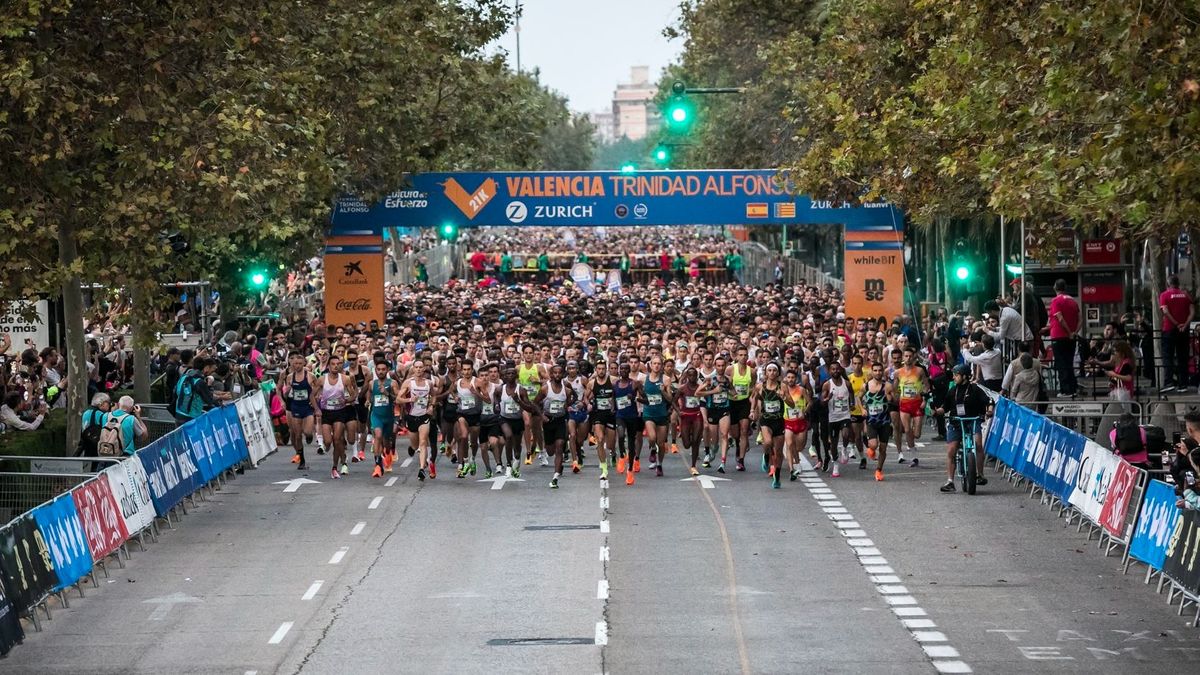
(575, 467)
(637, 465)
(620, 465)
(674, 449)
(295, 459)
(629, 478)
(377, 473)
(695, 471)
(878, 475)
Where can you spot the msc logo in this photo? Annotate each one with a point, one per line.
(874, 289)
(470, 203)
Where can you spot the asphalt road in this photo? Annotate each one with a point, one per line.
(826, 575)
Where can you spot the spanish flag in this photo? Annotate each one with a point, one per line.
(756, 210)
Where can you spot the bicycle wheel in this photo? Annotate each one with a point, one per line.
(969, 473)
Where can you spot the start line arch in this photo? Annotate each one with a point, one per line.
(873, 232)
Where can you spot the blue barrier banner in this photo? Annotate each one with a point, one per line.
(995, 443)
(1156, 525)
(1066, 449)
(1026, 436)
(62, 532)
(171, 471)
(598, 198)
(197, 436)
(231, 445)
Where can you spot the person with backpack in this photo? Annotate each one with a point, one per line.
(192, 394)
(94, 419)
(1128, 441)
(122, 430)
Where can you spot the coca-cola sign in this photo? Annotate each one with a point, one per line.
(355, 305)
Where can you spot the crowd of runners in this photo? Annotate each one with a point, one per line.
(495, 381)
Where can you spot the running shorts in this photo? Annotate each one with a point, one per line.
(491, 430)
(912, 406)
(739, 410)
(472, 420)
(796, 426)
(883, 432)
(554, 430)
(414, 424)
(606, 418)
(515, 424)
(657, 421)
(343, 415)
(361, 413)
(775, 425)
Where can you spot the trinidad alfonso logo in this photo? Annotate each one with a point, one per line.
(470, 203)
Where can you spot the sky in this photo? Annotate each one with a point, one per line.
(585, 47)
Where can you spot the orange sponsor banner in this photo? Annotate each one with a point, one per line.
(874, 283)
(354, 280)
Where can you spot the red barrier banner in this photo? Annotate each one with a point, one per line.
(102, 522)
(1116, 503)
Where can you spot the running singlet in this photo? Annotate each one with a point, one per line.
(487, 409)
(719, 400)
(529, 379)
(741, 384)
(509, 407)
(772, 404)
(381, 400)
(419, 392)
(690, 406)
(858, 383)
(795, 412)
(468, 402)
(333, 395)
(555, 404)
(908, 381)
(626, 401)
(877, 408)
(655, 408)
(839, 401)
(602, 396)
(300, 391)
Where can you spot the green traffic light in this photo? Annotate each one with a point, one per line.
(258, 279)
(679, 114)
(962, 272)
(628, 167)
(662, 155)
(448, 231)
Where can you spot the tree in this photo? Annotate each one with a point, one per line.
(610, 156)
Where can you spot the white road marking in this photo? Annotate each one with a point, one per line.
(337, 557)
(392, 481)
(879, 569)
(853, 534)
(847, 525)
(929, 636)
(899, 599)
(295, 483)
(856, 543)
(840, 516)
(909, 611)
(601, 633)
(312, 590)
(375, 503)
(951, 667)
(892, 589)
(358, 528)
(604, 503)
(280, 633)
(603, 554)
(602, 589)
(834, 509)
(885, 579)
(406, 463)
(918, 623)
(940, 651)
(604, 527)
(867, 552)
(873, 561)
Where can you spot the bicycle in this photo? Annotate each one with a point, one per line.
(966, 457)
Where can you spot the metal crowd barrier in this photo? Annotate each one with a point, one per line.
(1093, 419)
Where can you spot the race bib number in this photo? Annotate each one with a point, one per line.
(532, 390)
(741, 389)
(300, 395)
(771, 406)
(510, 408)
(604, 404)
(466, 402)
(792, 413)
(908, 390)
(875, 408)
(841, 404)
(381, 401)
(654, 399)
(236, 389)
(961, 409)
(555, 406)
(720, 398)
(489, 409)
(423, 401)
(691, 402)
(623, 402)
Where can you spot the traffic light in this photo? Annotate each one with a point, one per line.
(257, 279)
(448, 231)
(962, 263)
(662, 155)
(679, 112)
(628, 167)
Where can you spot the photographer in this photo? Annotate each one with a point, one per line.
(21, 414)
(129, 416)
(193, 394)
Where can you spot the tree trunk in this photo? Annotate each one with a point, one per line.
(72, 298)
(141, 340)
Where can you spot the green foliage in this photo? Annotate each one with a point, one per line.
(611, 156)
(1072, 113)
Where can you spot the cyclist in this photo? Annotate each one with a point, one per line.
(965, 400)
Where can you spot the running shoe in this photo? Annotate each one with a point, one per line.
(432, 470)
(487, 474)
(411, 451)
(853, 454)
(528, 459)
(421, 475)
(621, 464)
(554, 483)
(764, 463)
(295, 459)
(354, 458)
(658, 471)
(462, 471)
(653, 456)
(575, 468)
(707, 457)
(902, 460)
(795, 475)
(843, 457)
(878, 476)
(302, 467)
(637, 465)
(387, 463)
(629, 478)
(948, 487)
(825, 465)
(707, 463)
(916, 462)
(508, 472)
(812, 452)
(542, 459)
(980, 481)
(836, 473)
(758, 438)
(775, 482)
(320, 449)
(721, 467)
(362, 455)
(345, 469)
(694, 471)
(604, 471)
(334, 474)
(741, 466)
(862, 464)
(771, 472)
(471, 468)
(674, 448)
(517, 471)
(378, 472)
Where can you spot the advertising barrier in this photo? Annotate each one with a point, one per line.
(58, 522)
(256, 426)
(171, 471)
(101, 518)
(1182, 563)
(11, 632)
(131, 490)
(25, 563)
(1116, 502)
(1156, 525)
(1096, 470)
